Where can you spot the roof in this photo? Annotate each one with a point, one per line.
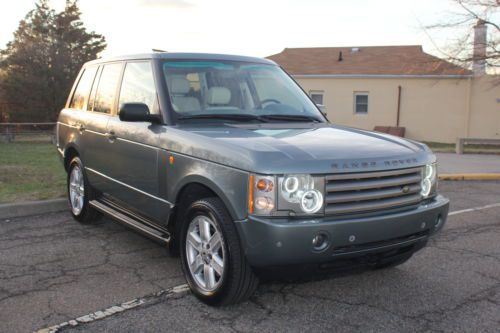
(183, 56)
(408, 60)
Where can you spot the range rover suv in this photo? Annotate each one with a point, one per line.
(225, 160)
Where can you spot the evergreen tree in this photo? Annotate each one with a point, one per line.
(43, 59)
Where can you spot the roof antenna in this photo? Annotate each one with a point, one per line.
(340, 56)
(158, 50)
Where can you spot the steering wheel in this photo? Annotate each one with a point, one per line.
(269, 100)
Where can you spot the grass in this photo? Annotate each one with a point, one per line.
(30, 171)
(439, 147)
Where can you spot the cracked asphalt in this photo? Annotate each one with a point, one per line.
(53, 269)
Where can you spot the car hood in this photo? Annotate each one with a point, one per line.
(295, 148)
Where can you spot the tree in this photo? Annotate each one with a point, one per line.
(471, 15)
(43, 59)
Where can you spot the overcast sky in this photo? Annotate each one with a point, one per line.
(251, 27)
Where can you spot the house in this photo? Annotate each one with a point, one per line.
(364, 87)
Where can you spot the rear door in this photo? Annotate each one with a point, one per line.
(101, 105)
(134, 149)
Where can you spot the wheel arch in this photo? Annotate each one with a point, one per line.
(70, 152)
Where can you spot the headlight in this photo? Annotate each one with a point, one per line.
(261, 195)
(429, 179)
(311, 201)
(300, 193)
(294, 186)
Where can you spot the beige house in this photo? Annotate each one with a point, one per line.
(402, 86)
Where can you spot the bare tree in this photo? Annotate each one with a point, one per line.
(475, 25)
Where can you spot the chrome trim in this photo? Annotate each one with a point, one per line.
(67, 125)
(137, 143)
(94, 132)
(130, 187)
(137, 225)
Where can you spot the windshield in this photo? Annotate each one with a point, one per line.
(236, 91)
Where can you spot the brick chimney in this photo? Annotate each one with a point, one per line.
(479, 54)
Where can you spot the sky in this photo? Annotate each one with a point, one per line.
(252, 27)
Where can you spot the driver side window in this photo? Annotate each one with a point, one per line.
(138, 85)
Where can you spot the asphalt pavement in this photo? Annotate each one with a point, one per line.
(54, 270)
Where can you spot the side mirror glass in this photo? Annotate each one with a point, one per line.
(137, 112)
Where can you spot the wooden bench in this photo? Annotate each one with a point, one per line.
(459, 148)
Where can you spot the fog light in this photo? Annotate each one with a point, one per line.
(320, 241)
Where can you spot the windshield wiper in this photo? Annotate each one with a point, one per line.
(232, 116)
(290, 117)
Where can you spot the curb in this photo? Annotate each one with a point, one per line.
(470, 176)
(11, 210)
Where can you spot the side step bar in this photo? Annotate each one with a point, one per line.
(156, 235)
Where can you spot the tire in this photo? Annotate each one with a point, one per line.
(213, 285)
(393, 263)
(80, 193)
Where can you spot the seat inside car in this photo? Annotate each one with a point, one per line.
(219, 98)
(179, 89)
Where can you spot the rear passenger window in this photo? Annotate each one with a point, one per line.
(106, 90)
(138, 85)
(81, 95)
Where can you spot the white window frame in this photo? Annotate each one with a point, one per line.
(318, 92)
(361, 93)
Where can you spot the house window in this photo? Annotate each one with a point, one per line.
(317, 97)
(361, 102)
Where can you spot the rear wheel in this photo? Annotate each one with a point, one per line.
(80, 193)
(212, 259)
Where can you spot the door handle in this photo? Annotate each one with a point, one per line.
(111, 136)
(81, 128)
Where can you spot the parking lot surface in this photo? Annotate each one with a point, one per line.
(54, 270)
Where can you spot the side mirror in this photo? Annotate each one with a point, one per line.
(137, 112)
(322, 109)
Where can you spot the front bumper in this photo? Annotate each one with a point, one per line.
(272, 242)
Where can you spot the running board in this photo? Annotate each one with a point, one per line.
(156, 235)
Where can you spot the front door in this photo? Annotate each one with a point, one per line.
(133, 148)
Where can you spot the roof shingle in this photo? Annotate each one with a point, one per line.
(364, 60)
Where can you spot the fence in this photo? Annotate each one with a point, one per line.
(27, 132)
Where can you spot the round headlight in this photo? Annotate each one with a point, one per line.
(430, 171)
(426, 187)
(294, 186)
(311, 201)
(290, 184)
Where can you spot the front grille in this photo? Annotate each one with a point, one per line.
(372, 191)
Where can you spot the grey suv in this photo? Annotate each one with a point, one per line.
(229, 163)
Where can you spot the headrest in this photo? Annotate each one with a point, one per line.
(179, 85)
(218, 96)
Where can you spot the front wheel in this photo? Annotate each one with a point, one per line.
(212, 259)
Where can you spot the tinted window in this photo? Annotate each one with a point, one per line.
(138, 85)
(81, 95)
(107, 88)
(90, 104)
